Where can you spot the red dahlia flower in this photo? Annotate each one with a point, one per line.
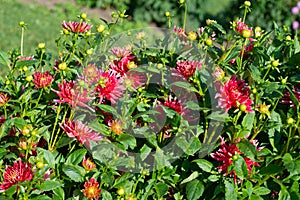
(125, 60)
(42, 80)
(174, 104)
(226, 154)
(19, 172)
(109, 87)
(76, 27)
(91, 189)
(286, 99)
(70, 93)
(80, 131)
(233, 94)
(187, 68)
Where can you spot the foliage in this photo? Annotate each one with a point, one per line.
(139, 114)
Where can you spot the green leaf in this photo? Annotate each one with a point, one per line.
(107, 108)
(106, 195)
(145, 151)
(161, 159)
(205, 165)
(293, 166)
(194, 189)
(247, 148)
(127, 140)
(271, 170)
(218, 26)
(41, 197)
(58, 194)
(194, 146)
(261, 190)
(75, 173)
(50, 158)
(190, 178)
(76, 157)
(255, 197)
(25, 63)
(240, 167)
(50, 185)
(230, 193)
(161, 189)
(248, 121)
(19, 122)
(4, 58)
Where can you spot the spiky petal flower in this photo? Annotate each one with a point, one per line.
(42, 80)
(116, 127)
(109, 87)
(174, 104)
(234, 93)
(125, 60)
(286, 99)
(241, 26)
(226, 153)
(187, 68)
(78, 130)
(19, 172)
(91, 189)
(76, 27)
(72, 94)
(88, 164)
(3, 98)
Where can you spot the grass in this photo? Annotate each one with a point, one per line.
(43, 25)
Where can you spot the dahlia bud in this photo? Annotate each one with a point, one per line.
(208, 42)
(101, 28)
(192, 35)
(246, 33)
(83, 15)
(247, 3)
(167, 14)
(290, 121)
(41, 45)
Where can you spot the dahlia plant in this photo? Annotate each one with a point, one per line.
(152, 114)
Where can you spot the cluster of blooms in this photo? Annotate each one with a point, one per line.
(227, 155)
(295, 11)
(234, 94)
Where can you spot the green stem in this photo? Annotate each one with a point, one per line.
(22, 40)
(267, 73)
(242, 56)
(245, 13)
(55, 124)
(39, 98)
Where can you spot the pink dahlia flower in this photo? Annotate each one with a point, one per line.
(19, 172)
(187, 68)
(78, 130)
(76, 27)
(109, 87)
(42, 80)
(242, 26)
(70, 93)
(233, 94)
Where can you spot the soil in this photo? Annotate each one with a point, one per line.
(97, 12)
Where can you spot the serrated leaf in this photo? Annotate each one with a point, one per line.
(50, 185)
(261, 190)
(218, 26)
(42, 197)
(76, 157)
(248, 121)
(127, 140)
(194, 189)
(75, 173)
(25, 63)
(161, 189)
(293, 166)
(230, 193)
